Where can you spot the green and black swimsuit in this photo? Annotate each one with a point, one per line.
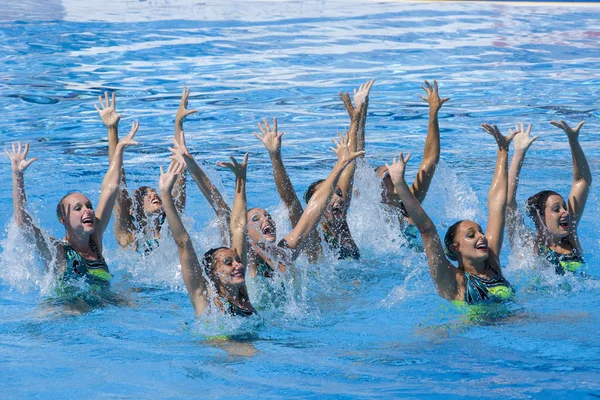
(481, 290)
(571, 262)
(94, 271)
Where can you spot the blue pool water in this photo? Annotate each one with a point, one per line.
(374, 328)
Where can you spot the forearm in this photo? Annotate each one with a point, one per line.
(239, 220)
(514, 174)
(178, 231)
(414, 209)
(431, 158)
(497, 195)
(179, 192)
(314, 209)
(285, 189)
(362, 121)
(210, 192)
(19, 199)
(346, 179)
(113, 140)
(581, 168)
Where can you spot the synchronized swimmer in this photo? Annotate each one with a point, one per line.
(249, 235)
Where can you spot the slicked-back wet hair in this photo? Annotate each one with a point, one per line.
(449, 240)
(536, 205)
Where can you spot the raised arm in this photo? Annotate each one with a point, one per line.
(19, 163)
(355, 112)
(431, 152)
(179, 190)
(110, 184)
(210, 192)
(272, 141)
(514, 217)
(445, 276)
(362, 97)
(191, 269)
(319, 200)
(239, 218)
(582, 176)
(497, 196)
(123, 224)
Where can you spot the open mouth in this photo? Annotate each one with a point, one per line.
(564, 224)
(482, 246)
(238, 275)
(156, 201)
(336, 211)
(88, 220)
(268, 230)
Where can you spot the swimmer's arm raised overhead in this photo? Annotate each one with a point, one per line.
(318, 201)
(110, 184)
(191, 270)
(123, 224)
(446, 277)
(582, 176)
(19, 163)
(210, 192)
(497, 195)
(356, 113)
(362, 97)
(272, 141)
(431, 151)
(179, 190)
(239, 219)
(514, 217)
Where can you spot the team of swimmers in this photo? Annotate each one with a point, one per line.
(250, 246)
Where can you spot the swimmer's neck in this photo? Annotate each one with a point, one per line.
(80, 243)
(481, 268)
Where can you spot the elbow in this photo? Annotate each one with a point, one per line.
(183, 241)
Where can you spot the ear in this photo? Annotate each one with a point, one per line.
(454, 247)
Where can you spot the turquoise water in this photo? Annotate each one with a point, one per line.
(374, 328)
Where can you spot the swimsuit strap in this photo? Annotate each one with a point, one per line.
(235, 310)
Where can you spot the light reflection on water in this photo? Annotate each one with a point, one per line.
(356, 329)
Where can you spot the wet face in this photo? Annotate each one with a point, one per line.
(227, 268)
(261, 227)
(152, 202)
(78, 214)
(335, 208)
(470, 242)
(557, 217)
(388, 192)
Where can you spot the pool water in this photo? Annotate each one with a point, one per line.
(374, 328)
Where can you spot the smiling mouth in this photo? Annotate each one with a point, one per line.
(336, 211)
(482, 246)
(157, 201)
(564, 224)
(88, 220)
(268, 230)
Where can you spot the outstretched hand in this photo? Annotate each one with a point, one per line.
(573, 134)
(179, 149)
(433, 97)
(522, 138)
(238, 169)
(108, 111)
(167, 179)
(361, 98)
(503, 141)
(128, 140)
(345, 156)
(18, 157)
(182, 111)
(270, 138)
(397, 169)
